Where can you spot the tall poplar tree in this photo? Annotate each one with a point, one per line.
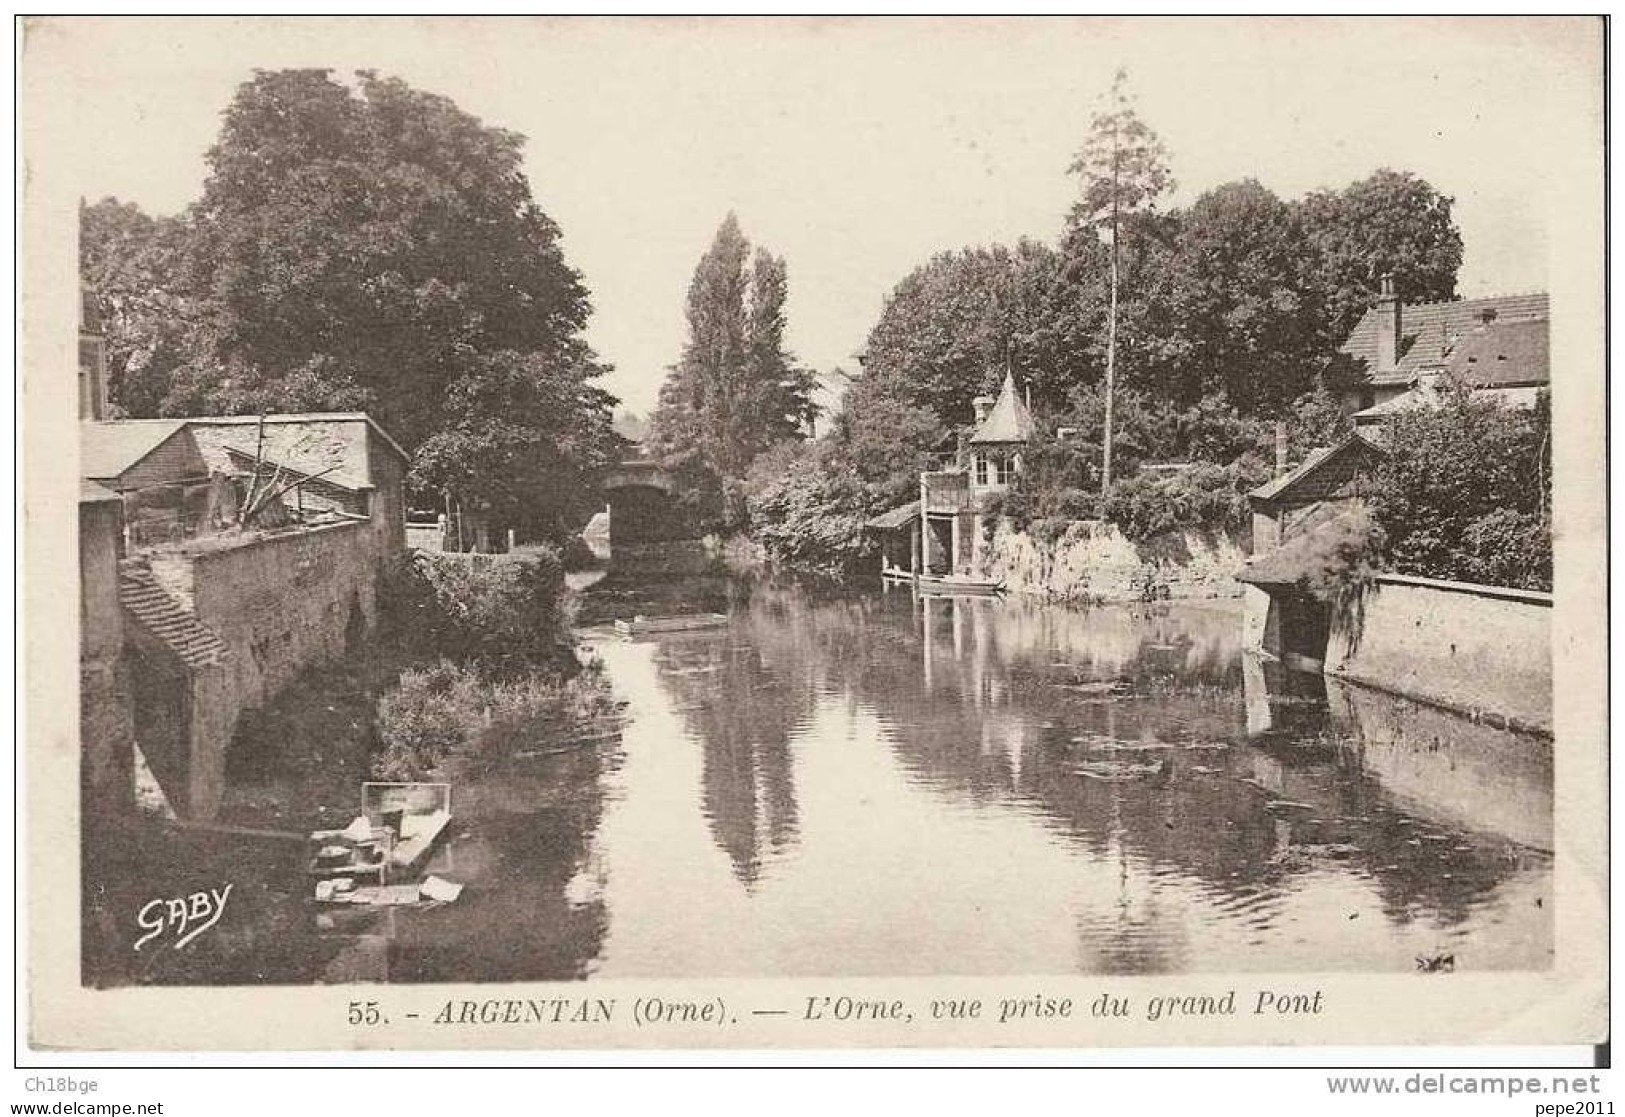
(1124, 170)
(736, 391)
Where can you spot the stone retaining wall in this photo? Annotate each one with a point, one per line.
(1484, 651)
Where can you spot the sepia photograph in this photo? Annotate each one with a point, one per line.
(570, 503)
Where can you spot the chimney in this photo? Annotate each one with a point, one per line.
(1390, 325)
(983, 406)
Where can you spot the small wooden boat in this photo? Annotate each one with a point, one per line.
(685, 622)
(949, 584)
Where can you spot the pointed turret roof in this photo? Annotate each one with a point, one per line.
(1009, 421)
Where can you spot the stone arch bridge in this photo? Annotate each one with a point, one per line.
(645, 508)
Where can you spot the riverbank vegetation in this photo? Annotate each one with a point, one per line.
(497, 664)
(503, 615)
(448, 711)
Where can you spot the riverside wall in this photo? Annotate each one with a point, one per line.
(1483, 651)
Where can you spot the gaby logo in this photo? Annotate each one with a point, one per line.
(186, 917)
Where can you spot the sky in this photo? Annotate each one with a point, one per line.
(858, 148)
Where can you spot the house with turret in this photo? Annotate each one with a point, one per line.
(942, 532)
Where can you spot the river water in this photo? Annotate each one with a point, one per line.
(879, 784)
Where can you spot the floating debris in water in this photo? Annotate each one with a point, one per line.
(1287, 805)
(1097, 687)
(1436, 963)
(1112, 771)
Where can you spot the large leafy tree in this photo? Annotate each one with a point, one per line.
(883, 441)
(736, 391)
(1389, 222)
(369, 245)
(129, 265)
(952, 327)
(1123, 171)
(1244, 311)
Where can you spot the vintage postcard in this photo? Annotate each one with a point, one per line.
(813, 533)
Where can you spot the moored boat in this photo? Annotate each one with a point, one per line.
(958, 584)
(686, 622)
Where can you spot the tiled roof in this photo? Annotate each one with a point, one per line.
(107, 450)
(1431, 332)
(243, 461)
(1503, 354)
(1009, 421)
(304, 417)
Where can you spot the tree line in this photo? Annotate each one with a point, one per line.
(1147, 331)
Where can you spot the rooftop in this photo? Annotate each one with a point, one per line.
(108, 449)
(1317, 458)
(333, 444)
(1503, 354)
(1432, 333)
(302, 417)
(900, 516)
(1009, 421)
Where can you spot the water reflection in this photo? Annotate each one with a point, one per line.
(905, 785)
(742, 711)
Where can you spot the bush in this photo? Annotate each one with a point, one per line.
(446, 710)
(1463, 492)
(1204, 497)
(1339, 556)
(428, 716)
(494, 610)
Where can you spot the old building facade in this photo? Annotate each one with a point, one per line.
(195, 608)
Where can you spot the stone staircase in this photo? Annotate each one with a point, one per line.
(164, 618)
